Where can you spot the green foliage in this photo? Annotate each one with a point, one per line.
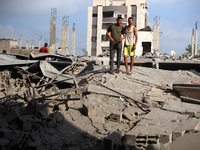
(189, 48)
(189, 51)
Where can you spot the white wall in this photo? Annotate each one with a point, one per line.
(143, 36)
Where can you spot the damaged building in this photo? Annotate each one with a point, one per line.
(104, 13)
(73, 103)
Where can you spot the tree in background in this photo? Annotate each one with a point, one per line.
(189, 51)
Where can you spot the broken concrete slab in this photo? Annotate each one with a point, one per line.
(163, 125)
(181, 107)
(130, 116)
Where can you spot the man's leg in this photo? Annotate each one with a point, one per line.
(132, 61)
(112, 53)
(126, 62)
(119, 50)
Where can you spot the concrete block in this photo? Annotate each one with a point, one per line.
(112, 141)
(165, 138)
(130, 139)
(116, 117)
(12, 115)
(5, 132)
(89, 110)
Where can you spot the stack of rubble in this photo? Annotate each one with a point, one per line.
(84, 107)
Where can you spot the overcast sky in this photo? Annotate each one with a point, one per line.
(31, 18)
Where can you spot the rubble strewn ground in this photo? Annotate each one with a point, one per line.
(96, 111)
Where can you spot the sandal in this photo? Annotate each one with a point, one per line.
(111, 71)
(117, 71)
(129, 73)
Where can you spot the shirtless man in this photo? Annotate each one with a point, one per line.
(130, 44)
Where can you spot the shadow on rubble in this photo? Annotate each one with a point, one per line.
(24, 125)
(30, 125)
(37, 116)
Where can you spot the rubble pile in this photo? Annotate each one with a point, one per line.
(81, 106)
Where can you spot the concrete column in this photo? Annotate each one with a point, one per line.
(32, 46)
(20, 44)
(99, 28)
(52, 32)
(89, 31)
(27, 45)
(196, 39)
(156, 37)
(57, 45)
(64, 40)
(40, 44)
(192, 43)
(73, 40)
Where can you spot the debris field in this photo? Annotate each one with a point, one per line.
(80, 106)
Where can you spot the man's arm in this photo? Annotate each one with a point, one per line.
(123, 33)
(111, 39)
(136, 37)
(124, 36)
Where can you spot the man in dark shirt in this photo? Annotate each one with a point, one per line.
(44, 49)
(114, 32)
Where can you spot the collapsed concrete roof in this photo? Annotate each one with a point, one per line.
(93, 109)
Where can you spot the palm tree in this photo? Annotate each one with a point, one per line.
(189, 51)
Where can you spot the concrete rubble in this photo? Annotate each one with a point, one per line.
(82, 107)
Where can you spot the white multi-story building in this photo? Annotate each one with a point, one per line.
(103, 13)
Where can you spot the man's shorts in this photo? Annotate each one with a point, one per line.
(128, 50)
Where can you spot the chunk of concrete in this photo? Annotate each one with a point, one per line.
(116, 116)
(112, 141)
(89, 110)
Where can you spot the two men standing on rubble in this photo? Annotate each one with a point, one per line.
(129, 32)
